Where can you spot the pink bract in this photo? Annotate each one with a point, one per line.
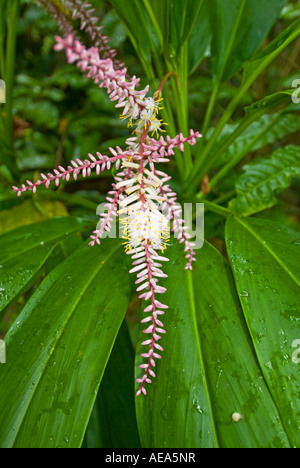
(141, 191)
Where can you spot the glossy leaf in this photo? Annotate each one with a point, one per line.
(113, 421)
(265, 259)
(239, 29)
(24, 251)
(30, 212)
(208, 369)
(58, 349)
(264, 178)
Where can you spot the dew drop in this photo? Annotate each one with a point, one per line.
(244, 294)
(296, 242)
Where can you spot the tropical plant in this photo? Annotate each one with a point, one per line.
(229, 370)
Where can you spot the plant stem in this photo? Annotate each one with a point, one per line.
(210, 107)
(200, 169)
(182, 104)
(221, 210)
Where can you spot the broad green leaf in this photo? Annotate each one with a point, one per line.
(264, 178)
(30, 212)
(24, 250)
(58, 349)
(239, 29)
(180, 389)
(113, 421)
(208, 369)
(265, 259)
(69, 199)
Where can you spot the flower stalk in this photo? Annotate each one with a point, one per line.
(141, 195)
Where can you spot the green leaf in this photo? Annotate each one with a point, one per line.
(183, 16)
(58, 349)
(266, 130)
(30, 212)
(159, 14)
(208, 369)
(233, 135)
(265, 259)
(271, 102)
(113, 421)
(137, 25)
(256, 188)
(258, 63)
(167, 27)
(200, 37)
(24, 251)
(206, 161)
(174, 21)
(239, 29)
(114, 29)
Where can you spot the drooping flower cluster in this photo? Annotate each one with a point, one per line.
(141, 194)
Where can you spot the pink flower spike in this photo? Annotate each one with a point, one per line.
(141, 194)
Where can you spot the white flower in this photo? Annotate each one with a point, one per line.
(153, 105)
(149, 225)
(155, 126)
